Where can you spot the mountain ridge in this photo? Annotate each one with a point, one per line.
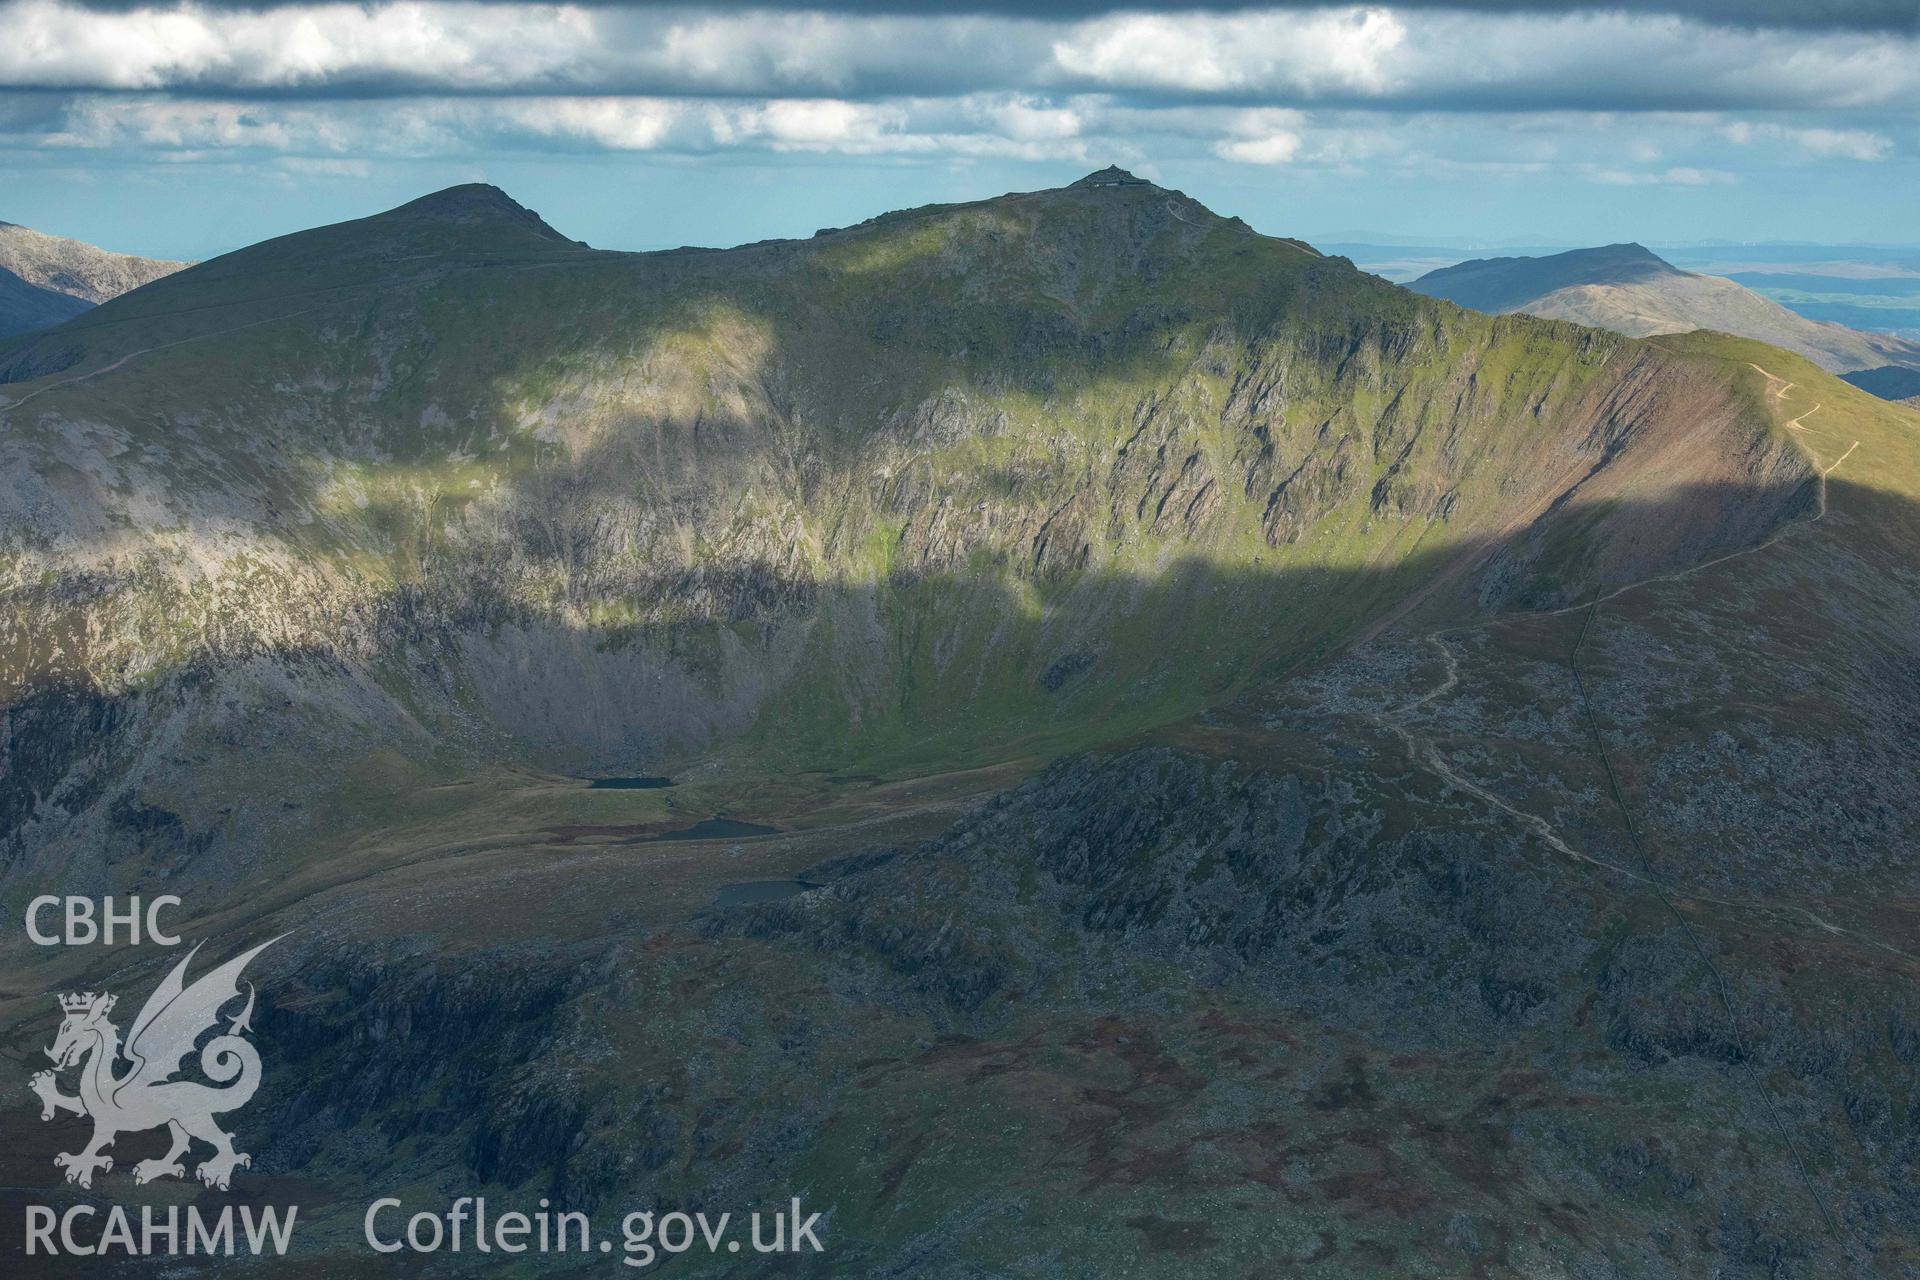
(1631, 290)
(472, 203)
(1508, 284)
(36, 264)
(1051, 392)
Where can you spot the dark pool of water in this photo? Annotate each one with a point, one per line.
(628, 784)
(748, 892)
(718, 829)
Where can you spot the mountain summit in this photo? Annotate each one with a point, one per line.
(1631, 290)
(472, 204)
(1509, 284)
(1112, 176)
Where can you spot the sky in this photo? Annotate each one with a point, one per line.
(187, 129)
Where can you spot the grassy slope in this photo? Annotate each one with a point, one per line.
(882, 417)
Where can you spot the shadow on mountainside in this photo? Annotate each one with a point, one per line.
(910, 673)
(1281, 979)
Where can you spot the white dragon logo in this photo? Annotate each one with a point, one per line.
(145, 1096)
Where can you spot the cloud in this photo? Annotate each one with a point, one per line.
(1677, 150)
(615, 124)
(1679, 176)
(1487, 92)
(1847, 144)
(159, 125)
(324, 167)
(1898, 16)
(1275, 148)
(1266, 136)
(402, 47)
(1309, 55)
(1403, 58)
(453, 46)
(153, 127)
(1031, 119)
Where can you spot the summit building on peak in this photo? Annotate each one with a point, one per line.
(1112, 176)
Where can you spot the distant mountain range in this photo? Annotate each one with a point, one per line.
(45, 280)
(1629, 289)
